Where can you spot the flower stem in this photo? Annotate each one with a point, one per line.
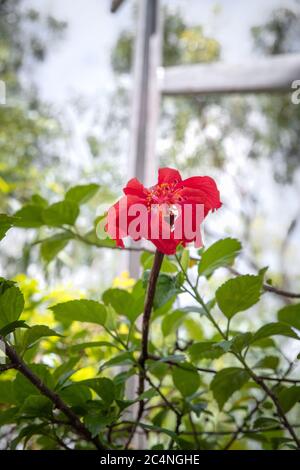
(158, 259)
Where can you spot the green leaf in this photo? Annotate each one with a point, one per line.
(91, 344)
(5, 284)
(186, 378)
(290, 315)
(226, 382)
(53, 245)
(171, 322)
(288, 397)
(193, 328)
(27, 433)
(36, 406)
(23, 388)
(205, 350)
(29, 216)
(124, 303)
(38, 200)
(12, 327)
(76, 394)
(264, 343)
(60, 213)
(122, 358)
(6, 222)
(273, 329)
(80, 310)
(92, 237)
(220, 254)
(8, 416)
(7, 392)
(82, 193)
(147, 395)
(119, 299)
(166, 288)
(265, 423)
(95, 421)
(11, 305)
(241, 341)
(36, 332)
(64, 371)
(167, 266)
(150, 427)
(103, 386)
(268, 362)
(239, 294)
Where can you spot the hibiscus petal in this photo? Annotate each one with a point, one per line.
(160, 233)
(168, 175)
(135, 188)
(118, 219)
(201, 190)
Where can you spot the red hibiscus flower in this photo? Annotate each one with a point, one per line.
(168, 214)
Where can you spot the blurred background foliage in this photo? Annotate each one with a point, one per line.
(28, 129)
(250, 143)
(242, 140)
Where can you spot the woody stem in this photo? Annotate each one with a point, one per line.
(158, 259)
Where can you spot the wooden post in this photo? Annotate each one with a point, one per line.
(145, 101)
(144, 117)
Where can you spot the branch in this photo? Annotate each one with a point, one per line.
(158, 259)
(75, 422)
(259, 380)
(275, 400)
(266, 287)
(115, 4)
(213, 371)
(5, 367)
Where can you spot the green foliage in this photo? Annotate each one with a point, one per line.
(35, 333)
(239, 294)
(186, 378)
(220, 254)
(290, 315)
(25, 158)
(288, 397)
(198, 371)
(80, 310)
(11, 303)
(61, 213)
(6, 222)
(181, 44)
(82, 193)
(125, 303)
(53, 245)
(226, 382)
(274, 329)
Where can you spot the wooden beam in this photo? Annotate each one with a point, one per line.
(115, 4)
(145, 101)
(274, 73)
